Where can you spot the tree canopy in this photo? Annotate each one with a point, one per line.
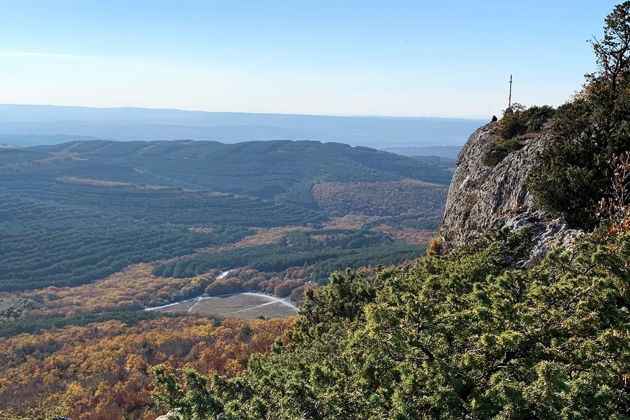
(461, 336)
(589, 130)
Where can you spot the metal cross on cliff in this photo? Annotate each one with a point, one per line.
(510, 97)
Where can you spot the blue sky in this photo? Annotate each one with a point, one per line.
(394, 57)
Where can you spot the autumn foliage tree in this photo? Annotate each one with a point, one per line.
(102, 370)
(614, 208)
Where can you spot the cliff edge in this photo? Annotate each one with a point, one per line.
(482, 197)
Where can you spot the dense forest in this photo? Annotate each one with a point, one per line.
(75, 213)
(281, 170)
(332, 249)
(58, 236)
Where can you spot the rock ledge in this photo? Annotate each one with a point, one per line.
(482, 198)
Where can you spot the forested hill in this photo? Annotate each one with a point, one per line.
(87, 209)
(281, 170)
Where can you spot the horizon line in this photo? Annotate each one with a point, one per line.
(472, 118)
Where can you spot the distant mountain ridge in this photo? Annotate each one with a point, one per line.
(279, 169)
(386, 133)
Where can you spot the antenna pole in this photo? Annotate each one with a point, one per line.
(510, 97)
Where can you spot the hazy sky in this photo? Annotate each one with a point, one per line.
(388, 57)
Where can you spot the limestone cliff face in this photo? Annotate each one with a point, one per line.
(482, 198)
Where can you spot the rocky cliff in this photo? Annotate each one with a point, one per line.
(482, 198)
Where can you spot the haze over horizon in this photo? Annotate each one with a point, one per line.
(31, 125)
(353, 58)
(166, 108)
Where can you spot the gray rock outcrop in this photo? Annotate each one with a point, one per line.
(482, 198)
